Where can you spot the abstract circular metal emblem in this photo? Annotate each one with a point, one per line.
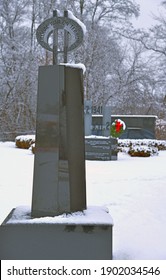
(46, 29)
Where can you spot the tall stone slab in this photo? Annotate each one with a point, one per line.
(88, 117)
(106, 122)
(75, 137)
(59, 168)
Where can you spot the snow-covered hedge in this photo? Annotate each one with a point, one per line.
(33, 148)
(160, 129)
(24, 141)
(139, 147)
(125, 144)
(142, 151)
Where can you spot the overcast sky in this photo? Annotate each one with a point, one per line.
(147, 8)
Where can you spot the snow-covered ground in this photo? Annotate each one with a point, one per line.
(133, 189)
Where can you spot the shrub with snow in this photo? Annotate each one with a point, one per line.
(134, 147)
(24, 141)
(33, 148)
(141, 147)
(142, 151)
(160, 129)
(125, 144)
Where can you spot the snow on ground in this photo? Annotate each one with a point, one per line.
(133, 189)
(95, 215)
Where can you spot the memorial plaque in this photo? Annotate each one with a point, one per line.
(98, 148)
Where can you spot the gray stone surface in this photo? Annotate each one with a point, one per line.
(59, 168)
(97, 119)
(137, 126)
(57, 241)
(88, 117)
(100, 148)
(106, 121)
(114, 149)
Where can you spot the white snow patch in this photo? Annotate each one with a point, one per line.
(133, 189)
(26, 137)
(92, 215)
(136, 116)
(96, 137)
(82, 25)
(75, 65)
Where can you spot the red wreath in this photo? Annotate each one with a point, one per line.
(117, 128)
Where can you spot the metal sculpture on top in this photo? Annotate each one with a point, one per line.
(73, 35)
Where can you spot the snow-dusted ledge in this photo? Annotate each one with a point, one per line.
(92, 215)
(75, 65)
(84, 235)
(97, 137)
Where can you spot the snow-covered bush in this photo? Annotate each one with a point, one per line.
(142, 151)
(161, 145)
(160, 129)
(137, 147)
(33, 148)
(125, 144)
(24, 141)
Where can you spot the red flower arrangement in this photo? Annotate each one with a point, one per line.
(117, 128)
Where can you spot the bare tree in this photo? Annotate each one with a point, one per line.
(20, 54)
(16, 103)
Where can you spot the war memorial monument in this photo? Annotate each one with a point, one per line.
(59, 224)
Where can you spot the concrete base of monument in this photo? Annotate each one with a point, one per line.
(83, 235)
